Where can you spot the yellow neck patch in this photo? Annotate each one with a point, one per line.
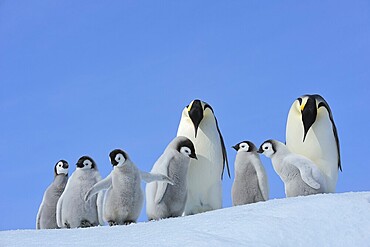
(302, 106)
(190, 106)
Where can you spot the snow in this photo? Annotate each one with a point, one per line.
(317, 220)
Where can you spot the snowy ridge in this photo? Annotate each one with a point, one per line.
(317, 220)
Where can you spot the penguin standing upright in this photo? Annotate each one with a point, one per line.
(250, 182)
(124, 196)
(311, 132)
(199, 124)
(46, 216)
(72, 210)
(163, 200)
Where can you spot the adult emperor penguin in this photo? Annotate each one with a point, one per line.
(72, 210)
(250, 182)
(124, 196)
(311, 132)
(163, 200)
(46, 216)
(199, 124)
(300, 175)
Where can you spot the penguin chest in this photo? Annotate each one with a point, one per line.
(245, 187)
(319, 145)
(126, 190)
(209, 152)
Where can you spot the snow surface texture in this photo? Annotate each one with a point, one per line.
(317, 220)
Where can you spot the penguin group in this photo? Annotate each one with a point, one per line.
(187, 178)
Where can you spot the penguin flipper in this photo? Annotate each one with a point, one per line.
(101, 185)
(100, 207)
(39, 216)
(306, 167)
(59, 212)
(262, 181)
(162, 186)
(149, 177)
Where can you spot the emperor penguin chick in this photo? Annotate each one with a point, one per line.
(124, 196)
(163, 200)
(72, 210)
(46, 216)
(300, 175)
(250, 183)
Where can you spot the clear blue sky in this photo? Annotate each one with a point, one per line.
(83, 78)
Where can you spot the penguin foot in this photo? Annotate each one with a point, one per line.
(67, 225)
(112, 223)
(128, 222)
(85, 223)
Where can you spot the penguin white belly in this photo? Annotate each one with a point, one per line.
(204, 174)
(322, 151)
(124, 199)
(74, 208)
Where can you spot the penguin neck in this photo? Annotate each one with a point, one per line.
(277, 158)
(84, 174)
(242, 163)
(60, 179)
(129, 166)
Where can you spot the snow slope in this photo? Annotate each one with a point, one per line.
(319, 220)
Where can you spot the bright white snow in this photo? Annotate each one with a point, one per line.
(318, 220)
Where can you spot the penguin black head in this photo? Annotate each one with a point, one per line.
(267, 148)
(308, 111)
(195, 110)
(118, 157)
(245, 146)
(61, 167)
(85, 162)
(186, 147)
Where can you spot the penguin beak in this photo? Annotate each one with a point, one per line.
(260, 150)
(235, 147)
(193, 155)
(196, 114)
(309, 113)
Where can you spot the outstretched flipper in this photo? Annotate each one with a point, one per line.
(101, 185)
(306, 167)
(151, 177)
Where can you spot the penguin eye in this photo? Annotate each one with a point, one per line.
(87, 163)
(185, 150)
(119, 158)
(266, 147)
